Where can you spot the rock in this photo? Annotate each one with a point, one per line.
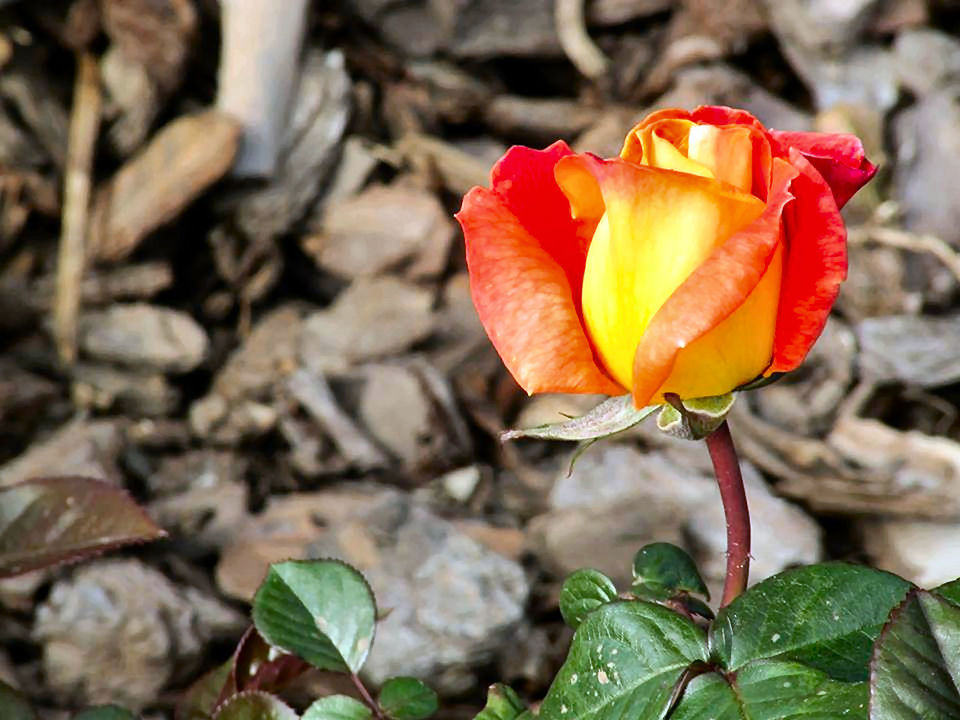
(313, 393)
(395, 408)
(318, 118)
(117, 631)
(918, 351)
(380, 229)
(467, 28)
(137, 393)
(460, 484)
(143, 336)
(458, 334)
(236, 407)
(618, 499)
(133, 99)
(490, 28)
(927, 60)
(370, 319)
(722, 85)
(81, 447)
(806, 401)
(922, 552)
(877, 285)
(865, 76)
(909, 474)
(539, 120)
(927, 141)
(201, 499)
(157, 34)
(616, 12)
(452, 601)
(820, 24)
(358, 159)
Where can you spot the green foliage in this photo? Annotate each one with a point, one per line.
(321, 610)
(663, 568)
(502, 704)
(772, 690)
(254, 705)
(823, 616)
(200, 699)
(50, 521)
(105, 712)
(625, 660)
(337, 707)
(406, 698)
(14, 706)
(610, 417)
(582, 592)
(915, 671)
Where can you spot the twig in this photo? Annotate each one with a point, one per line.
(71, 258)
(904, 240)
(727, 468)
(576, 42)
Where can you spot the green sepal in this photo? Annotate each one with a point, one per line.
(701, 416)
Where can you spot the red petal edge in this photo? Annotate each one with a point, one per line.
(839, 158)
(814, 266)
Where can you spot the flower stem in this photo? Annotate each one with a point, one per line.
(365, 694)
(726, 466)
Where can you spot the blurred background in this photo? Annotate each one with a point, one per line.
(230, 282)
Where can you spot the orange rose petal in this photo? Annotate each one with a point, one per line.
(815, 265)
(523, 180)
(524, 301)
(712, 292)
(839, 158)
(726, 151)
(659, 226)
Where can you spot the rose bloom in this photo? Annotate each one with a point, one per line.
(706, 256)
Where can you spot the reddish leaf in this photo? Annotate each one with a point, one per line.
(257, 666)
(49, 521)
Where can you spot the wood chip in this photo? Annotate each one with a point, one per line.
(179, 163)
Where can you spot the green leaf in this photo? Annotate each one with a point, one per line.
(610, 417)
(950, 591)
(254, 705)
(337, 707)
(625, 660)
(50, 521)
(915, 671)
(14, 705)
(772, 690)
(503, 703)
(584, 591)
(105, 712)
(406, 698)
(200, 699)
(320, 610)
(701, 416)
(667, 566)
(824, 616)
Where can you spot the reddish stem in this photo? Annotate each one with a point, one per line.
(365, 694)
(726, 466)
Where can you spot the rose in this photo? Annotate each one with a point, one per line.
(707, 255)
